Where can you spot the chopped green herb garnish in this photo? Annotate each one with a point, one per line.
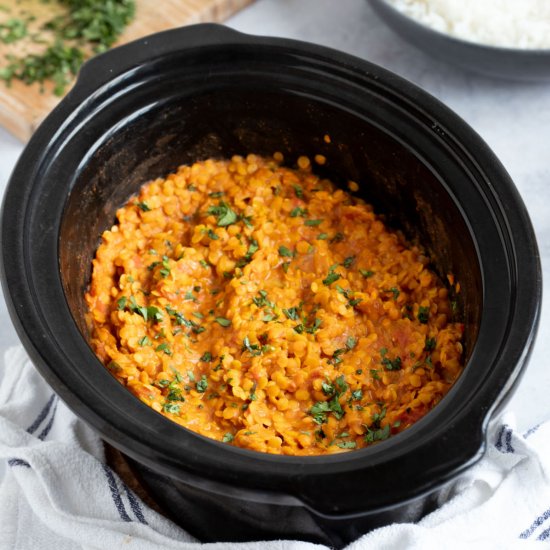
(298, 191)
(351, 342)
(341, 383)
(328, 388)
(338, 238)
(315, 326)
(252, 248)
(332, 276)
(252, 396)
(286, 265)
(392, 364)
(366, 273)
(346, 444)
(206, 357)
(165, 347)
(335, 390)
(423, 314)
(313, 223)
(144, 341)
(147, 312)
(348, 261)
(226, 216)
(173, 408)
(261, 300)
(121, 303)
(223, 321)
(377, 435)
(143, 206)
(374, 431)
(212, 235)
(204, 264)
(253, 349)
(286, 252)
(216, 194)
(292, 313)
(228, 438)
(322, 237)
(165, 271)
(395, 291)
(430, 344)
(13, 30)
(202, 384)
(298, 211)
(374, 374)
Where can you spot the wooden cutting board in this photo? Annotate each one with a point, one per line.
(23, 107)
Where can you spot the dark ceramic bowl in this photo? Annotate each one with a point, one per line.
(141, 110)
(509, 63)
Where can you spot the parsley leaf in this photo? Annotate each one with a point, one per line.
(348, 261)
(423, 314)
(366, 273)
(295, 212)
(392, 364)
(286, 252)
(430, 344)
(332, 276)
(346, 444)
(226, 216)
(202, 384)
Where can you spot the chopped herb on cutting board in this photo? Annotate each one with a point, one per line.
(48, 40)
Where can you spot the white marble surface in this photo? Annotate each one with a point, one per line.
(513, 118)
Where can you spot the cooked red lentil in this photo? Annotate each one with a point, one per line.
(264, 307)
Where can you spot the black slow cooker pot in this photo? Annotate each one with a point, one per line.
(139, 111)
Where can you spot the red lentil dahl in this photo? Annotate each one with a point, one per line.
(264, 307)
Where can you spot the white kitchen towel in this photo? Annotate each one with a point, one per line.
(58, 493)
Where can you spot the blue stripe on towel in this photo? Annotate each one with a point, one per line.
(504, 437)
(115, 494)
(509, 448)
(134, 503)
(531, 431)
(544, 535)
(18, 462)
(43, 413)
(49, 425)
(537, 523)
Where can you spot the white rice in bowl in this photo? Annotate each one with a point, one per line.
(505, 23)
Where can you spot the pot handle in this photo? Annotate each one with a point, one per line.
(109, 66)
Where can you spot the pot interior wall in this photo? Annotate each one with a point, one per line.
(175, 130)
